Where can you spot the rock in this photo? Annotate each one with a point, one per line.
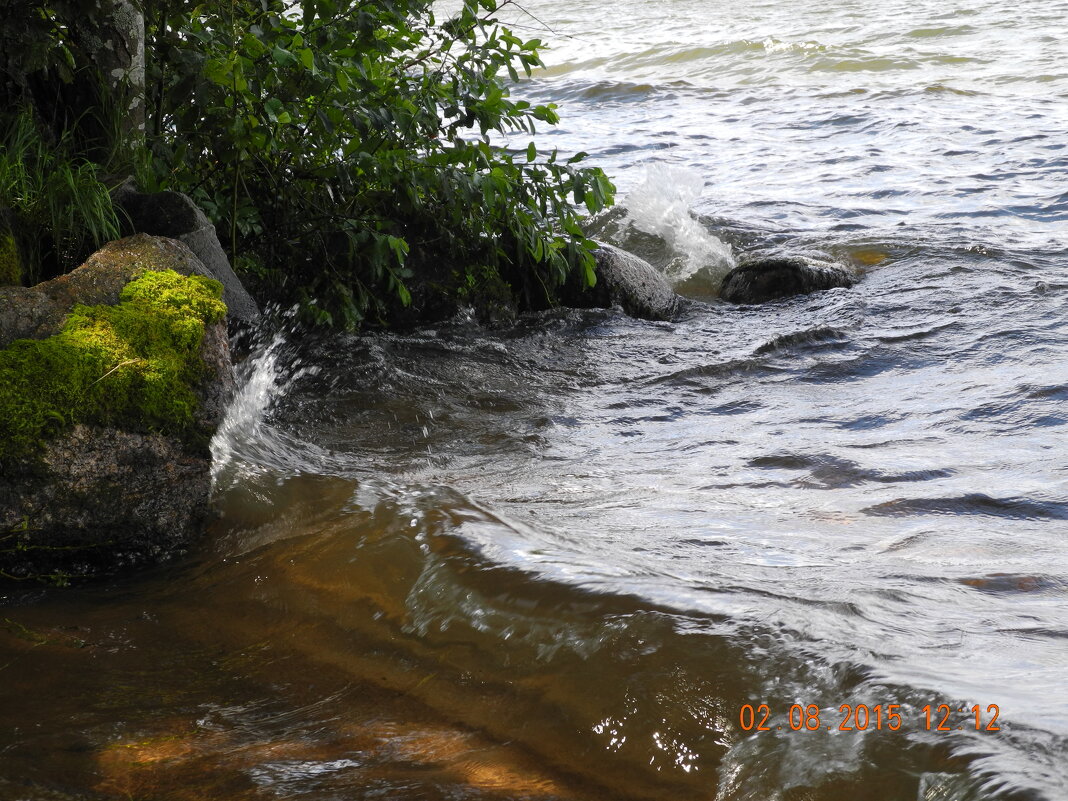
(99, 500)
(627, 281)
(39, 311)
(767, 279)
(175, 215)
(127, 480)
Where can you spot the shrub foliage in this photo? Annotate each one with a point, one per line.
(347, 150)
(345, 147)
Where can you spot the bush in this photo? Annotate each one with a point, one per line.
(344, 148)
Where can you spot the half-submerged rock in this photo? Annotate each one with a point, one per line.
(629, 282)
(767, 279)
(112, 380)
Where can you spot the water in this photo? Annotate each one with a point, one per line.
(556, 561)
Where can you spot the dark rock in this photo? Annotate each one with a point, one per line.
(627, 281)
(219, 384)
(96, 499)
(762, 280)
(175, 215)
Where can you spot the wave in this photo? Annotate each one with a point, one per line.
(976, 503)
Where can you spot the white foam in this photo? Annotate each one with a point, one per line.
(661, 206)
(259, 384)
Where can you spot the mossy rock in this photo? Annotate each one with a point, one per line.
(133, 365)
(107, 402)
(174, 215)
(40, 311)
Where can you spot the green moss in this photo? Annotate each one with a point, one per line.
(133, 365)
(10, 263)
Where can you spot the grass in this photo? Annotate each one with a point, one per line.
(63, 211)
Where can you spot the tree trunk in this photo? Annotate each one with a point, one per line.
(81, 66)
(112, 43)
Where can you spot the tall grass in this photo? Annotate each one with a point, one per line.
(62, 209)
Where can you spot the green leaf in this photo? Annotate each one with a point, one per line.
(217, 71)
(588, 269)
(532, 152)
(399, 248)
(283, 58)
(275, 110)
(605, 187)
(307, 58)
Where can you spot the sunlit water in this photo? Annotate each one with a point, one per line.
(555, 561)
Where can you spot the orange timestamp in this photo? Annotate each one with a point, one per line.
(864, 717)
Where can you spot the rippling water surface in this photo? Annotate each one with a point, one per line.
(556, 561)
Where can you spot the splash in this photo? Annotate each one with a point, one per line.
(259, 384)
(661, 206)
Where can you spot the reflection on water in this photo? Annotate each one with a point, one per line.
(557, 560)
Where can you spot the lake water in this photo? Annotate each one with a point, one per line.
(559, 560)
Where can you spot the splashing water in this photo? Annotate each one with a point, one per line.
(259, 384)
(661, 206)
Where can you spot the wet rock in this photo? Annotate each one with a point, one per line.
(627, 281)
(101, 499)
(761, 280)
(95, 497)
(175, 215)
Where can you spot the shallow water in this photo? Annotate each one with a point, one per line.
(556, 561)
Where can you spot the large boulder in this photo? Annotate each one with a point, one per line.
(629, 282)
(175, 215)
(761, 280)
(114, 378)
